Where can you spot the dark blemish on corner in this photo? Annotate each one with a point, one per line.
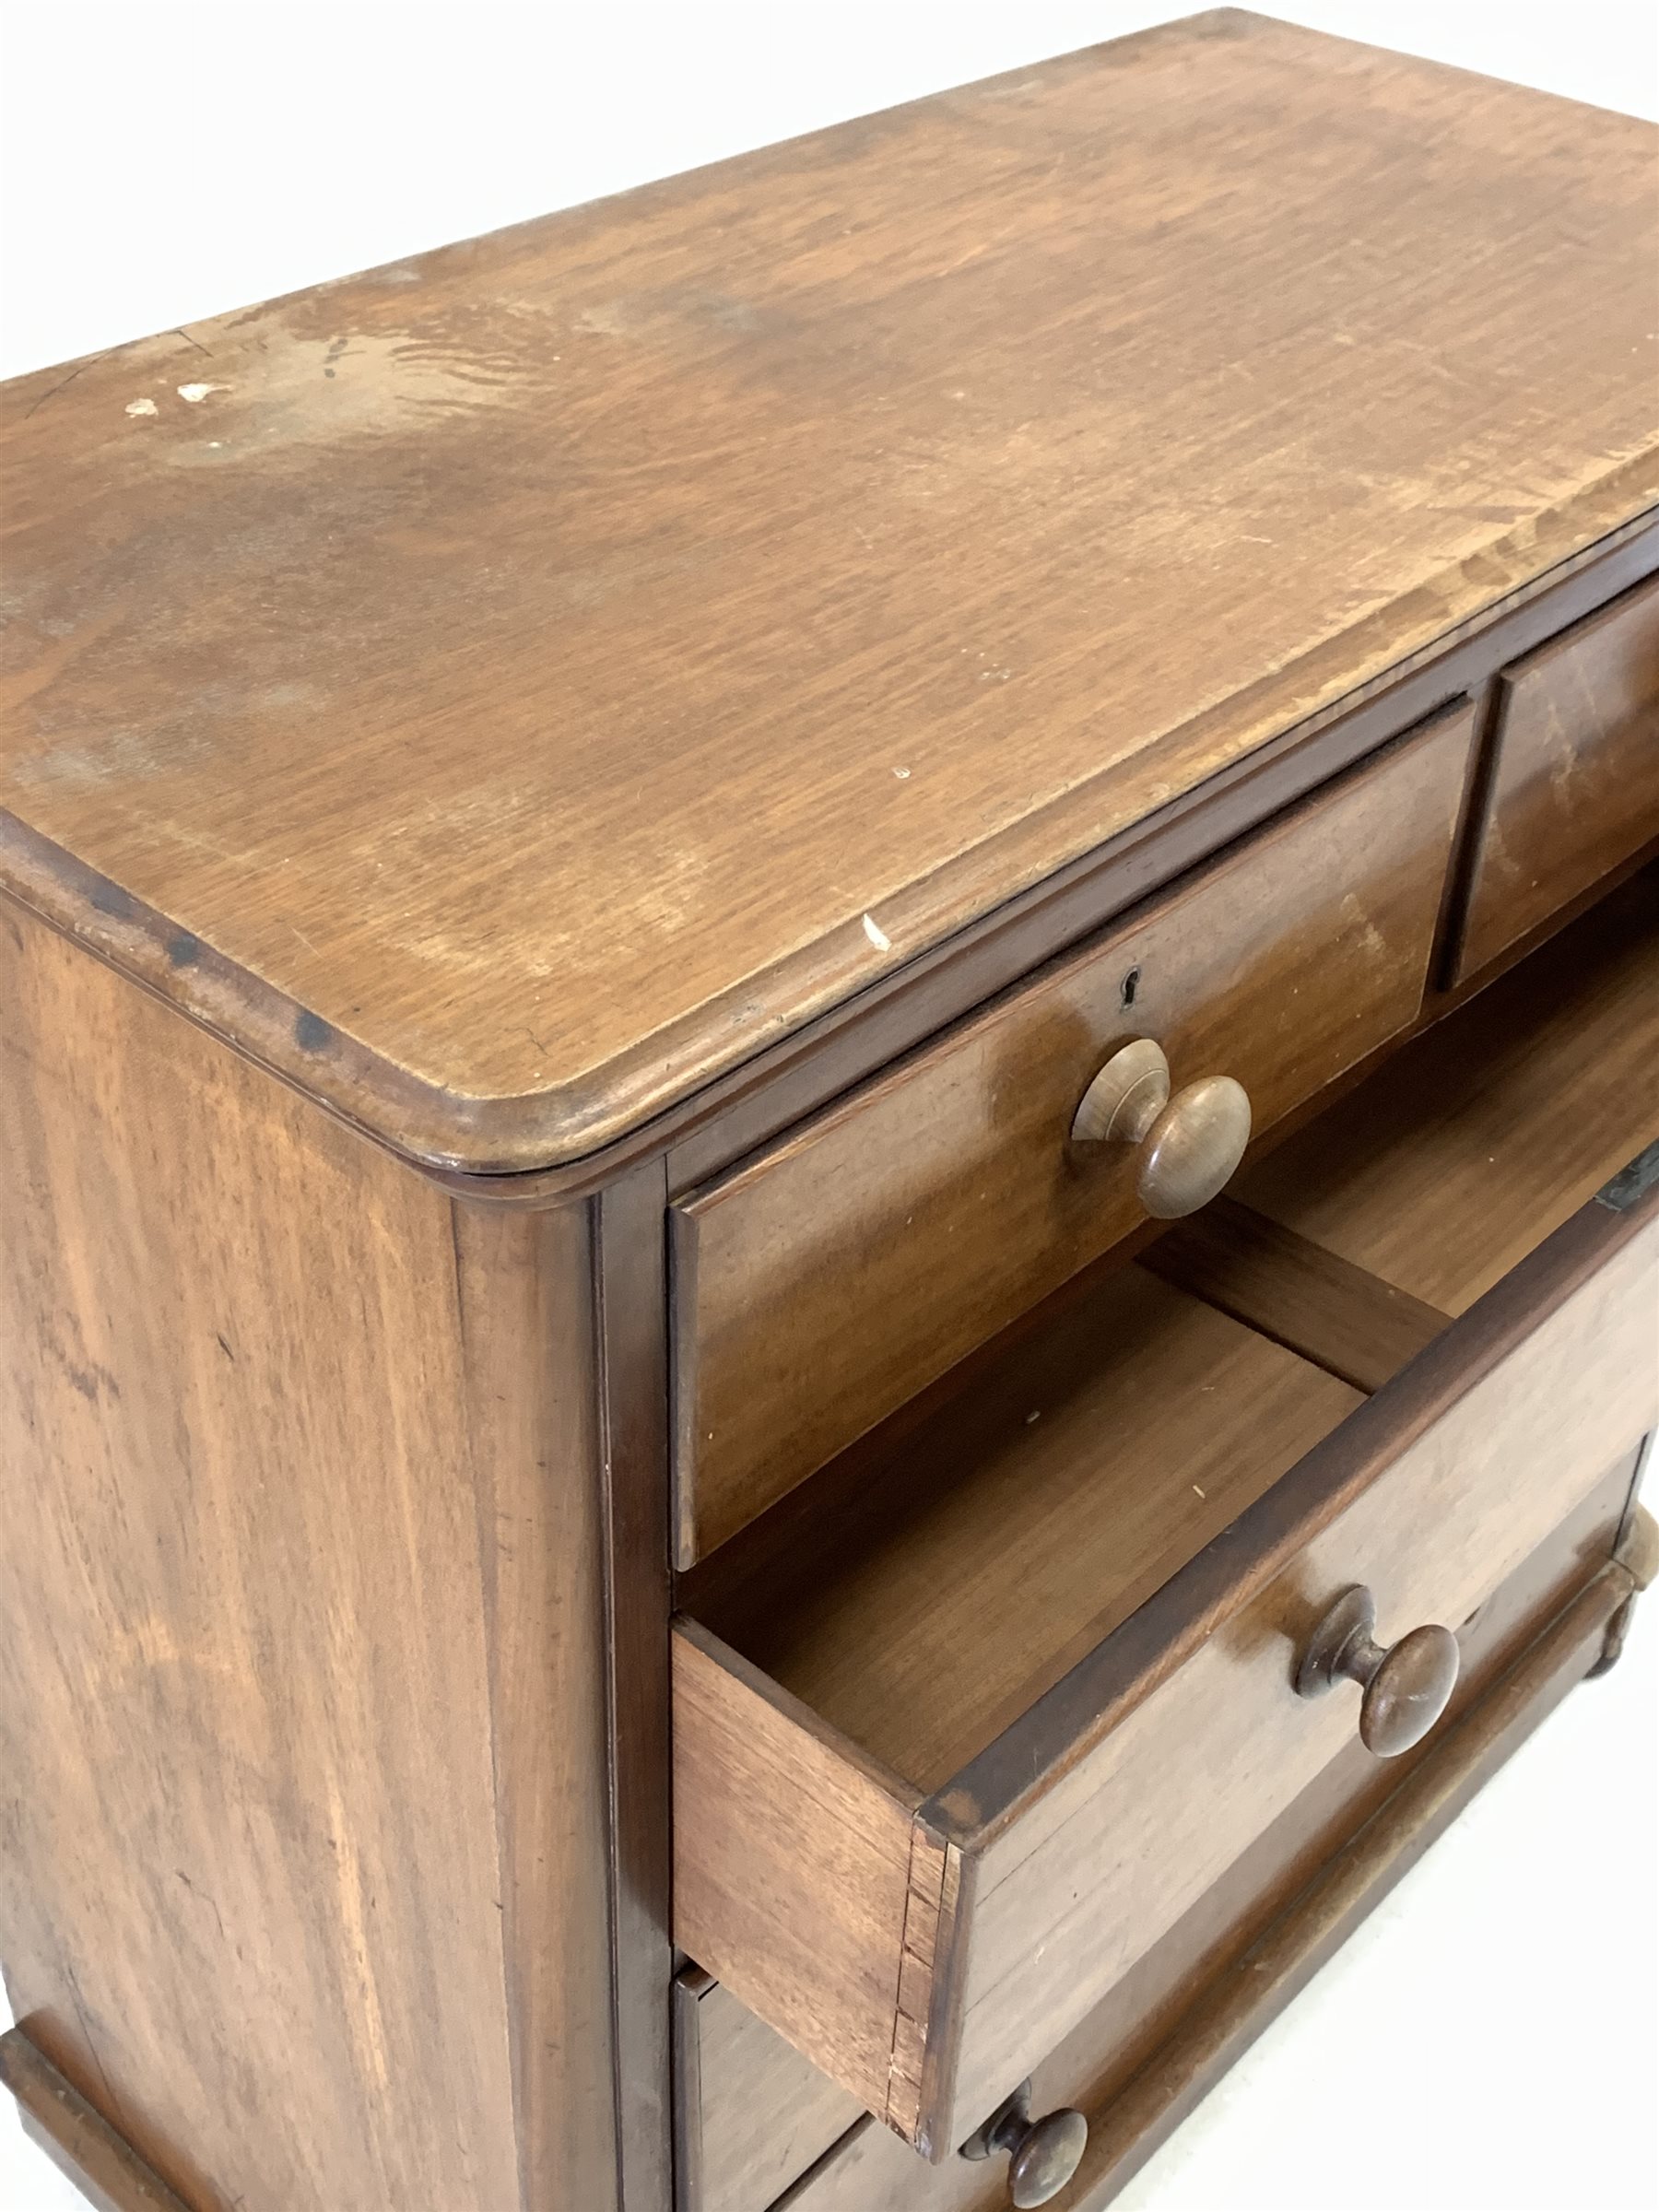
(183, 950)
(109, 898)
(1131, 985)
(311, 1033)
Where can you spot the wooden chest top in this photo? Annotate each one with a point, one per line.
(505, 690)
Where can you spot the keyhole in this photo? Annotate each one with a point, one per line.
(1131, 985)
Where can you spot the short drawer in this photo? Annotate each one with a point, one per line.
(825, 1282)
(963, 1730)
(1574, 783)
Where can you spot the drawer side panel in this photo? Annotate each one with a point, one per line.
(792, 1865)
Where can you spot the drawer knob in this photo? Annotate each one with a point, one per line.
(1190, 1143)
(1406, 1685)
(1044, 2154)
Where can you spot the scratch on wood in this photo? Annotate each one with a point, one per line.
(62, 384)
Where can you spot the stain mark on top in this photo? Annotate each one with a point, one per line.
(311, 1033)
(183, 949)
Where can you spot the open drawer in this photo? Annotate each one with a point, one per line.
(964, 1727)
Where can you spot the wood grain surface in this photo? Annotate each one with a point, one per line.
(822, 1285)
(524, 1318)
(631, 1301)
(1575, 780)
(305, 1879)
(1457, 1157)
(505, 689)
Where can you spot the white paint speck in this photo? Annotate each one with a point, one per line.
(196, 394)
(903, 774)
(142, 406)
(877, 934)
(1196, 1491)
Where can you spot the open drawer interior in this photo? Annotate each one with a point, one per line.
(922, 1608)
(851, 1667)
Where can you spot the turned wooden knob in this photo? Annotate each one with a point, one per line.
(1044, 2154)
(1190, 1143)
(1407, 1685)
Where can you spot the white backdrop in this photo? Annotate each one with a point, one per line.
(161, 162)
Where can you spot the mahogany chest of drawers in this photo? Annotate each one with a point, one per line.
(828, 1189)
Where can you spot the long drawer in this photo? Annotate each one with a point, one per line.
(822, 1284)
(1139, 2061)
(964, 1731)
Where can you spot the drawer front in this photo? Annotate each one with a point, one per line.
(752, 2114)
(1002, 1910)
(823, 1285)
(1574, 787)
